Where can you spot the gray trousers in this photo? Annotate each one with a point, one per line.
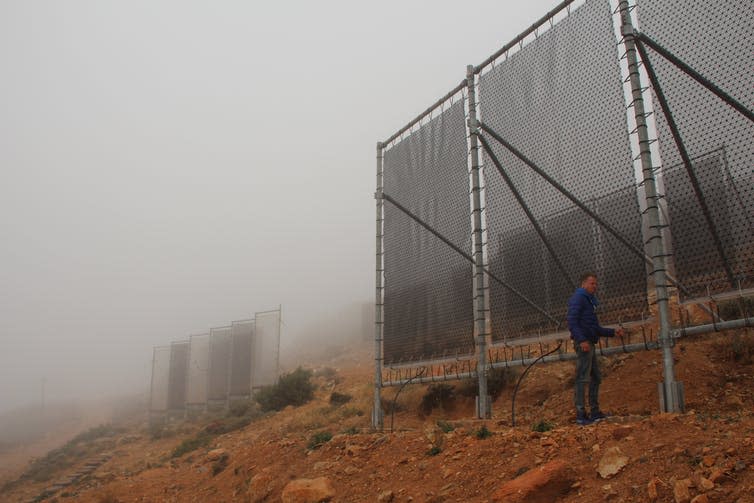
(587, 372)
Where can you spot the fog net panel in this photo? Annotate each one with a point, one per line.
(179, 354)
(240, 362)
(198, 370)
(428, 310)
(265, 349)
(160, 379)
(717, 40)
(219, 364)
(559, 101)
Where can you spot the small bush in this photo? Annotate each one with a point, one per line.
(542, 426)
(351, 431)
(434, 451)
(339, 398)
(731, 309)
(294, 388)
(445, 426)
(318, 439)
(437, 395)
(220, 464)
(191, 444)
(497, 380)
(240, 408)
(483, 432)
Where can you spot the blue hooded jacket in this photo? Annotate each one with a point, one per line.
(582, 320)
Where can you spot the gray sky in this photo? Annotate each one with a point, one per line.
(168, 166)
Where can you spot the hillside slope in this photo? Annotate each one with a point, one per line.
(444, 455)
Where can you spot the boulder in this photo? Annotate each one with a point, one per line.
(612, 462)
(543, 484)
(308, 491)
(260, 487)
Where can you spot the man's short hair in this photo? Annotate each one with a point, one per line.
(585, 276)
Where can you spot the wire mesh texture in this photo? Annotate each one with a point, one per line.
(179, 355)
(716, 39)
(198, 370)
(158, 400)
(265, 349)
(219, 364)
(559, 101)
(428, 308)
(242, 332)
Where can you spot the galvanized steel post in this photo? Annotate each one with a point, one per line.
(481, 311)
(671, 395)
(377, 414)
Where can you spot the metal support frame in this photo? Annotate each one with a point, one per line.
(738, 106)
(671, 400)
(481, 312)
(465, 255)
(379, 298)
(527, 211)
(676, 134)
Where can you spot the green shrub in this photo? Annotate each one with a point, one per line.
(497, 380)
(240, 408)
(437, 395)
(434, 451)
(731, 309)
(191, 444)
(542, 426)
(318, 439)
(445, 426)
(339, 398)
(220, 464)
(483, 432)
(294, 388)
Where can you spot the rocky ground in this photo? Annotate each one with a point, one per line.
(444, 455)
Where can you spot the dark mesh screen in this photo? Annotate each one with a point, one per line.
(428, 308)
(240, 363)
(559, 101)
(179, 357)
(219, 359)
(717, 40)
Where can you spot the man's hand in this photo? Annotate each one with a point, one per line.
(619, 332)
(585, 346)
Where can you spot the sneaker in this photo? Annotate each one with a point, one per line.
(583, 420)
(597, 416)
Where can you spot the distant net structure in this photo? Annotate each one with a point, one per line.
(611, 137)
(716, 39)
(158, 401)
(242, 337)
(178, 377)
(265, 349)
(198, 371)
(213, 369)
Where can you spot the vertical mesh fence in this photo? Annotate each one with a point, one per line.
(559, 101)
(160, 379)
(717, 40)
(240, 366)
(198, 370)
(428, 308)
(219, 364)
(265, 349)
(179, 359)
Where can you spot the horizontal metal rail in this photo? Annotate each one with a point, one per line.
(562, 357)
(521, 36)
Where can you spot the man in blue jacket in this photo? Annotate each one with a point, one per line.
(585, 332)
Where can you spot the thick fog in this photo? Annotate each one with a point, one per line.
(170, 166)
